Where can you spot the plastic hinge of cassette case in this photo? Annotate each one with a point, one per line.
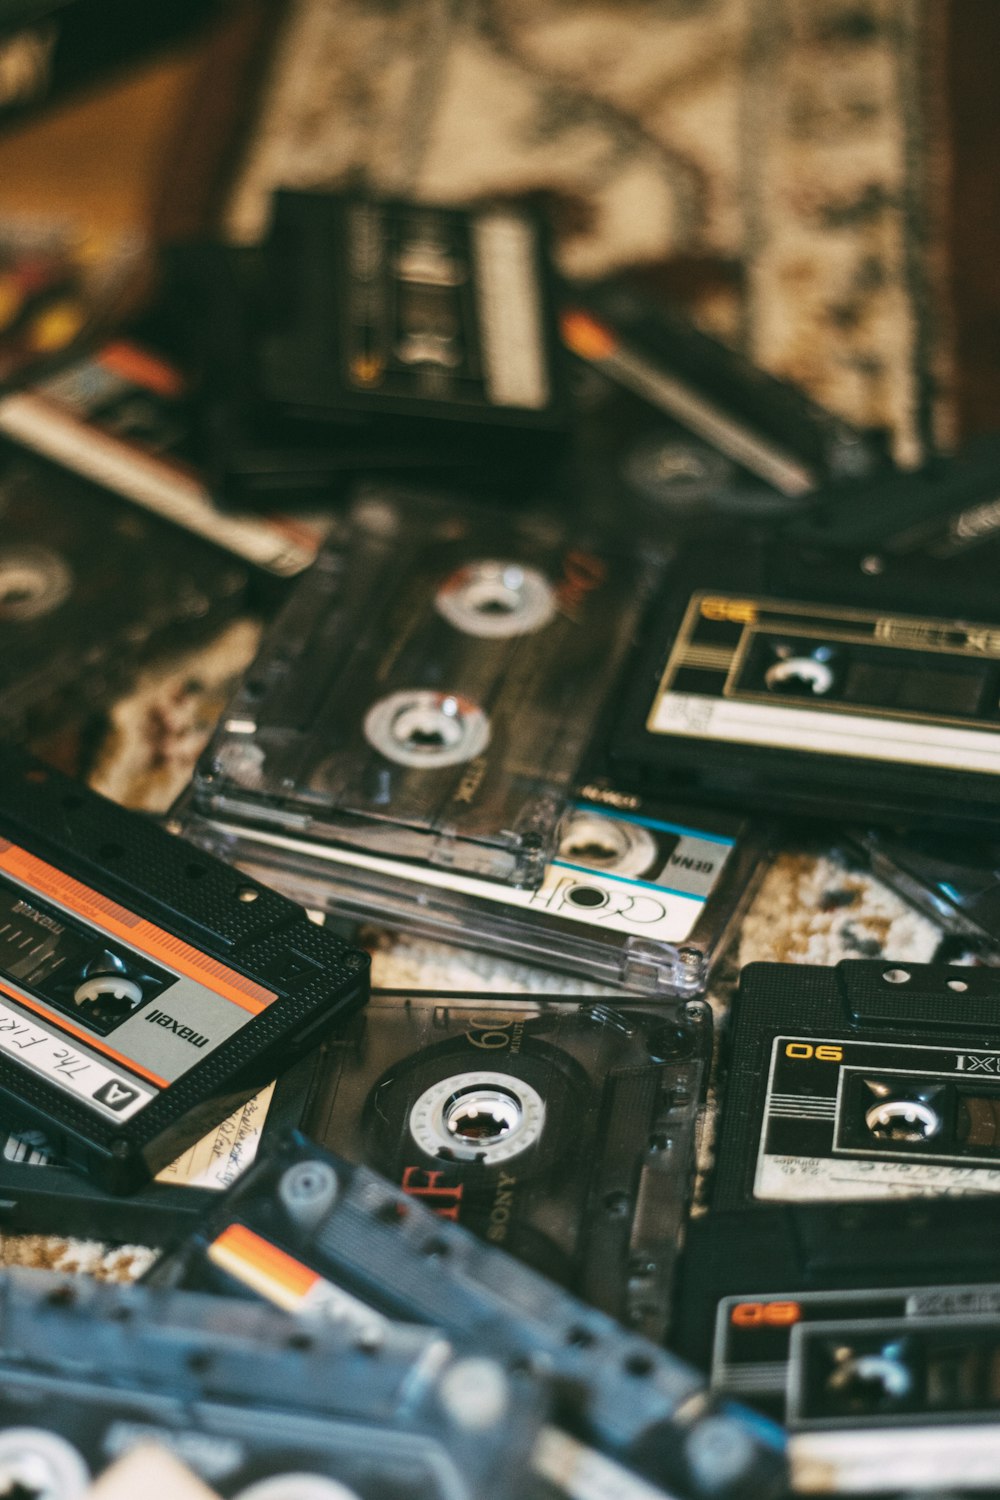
(910, 996)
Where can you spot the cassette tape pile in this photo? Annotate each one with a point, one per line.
(585, 623)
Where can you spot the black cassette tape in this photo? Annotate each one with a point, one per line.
(120, 417)
(90, 586)
(638, 895)
(806, 1263)
(864, 1081)
(687, 432)
(372, 335)
(777, 675)
(854, 1319)
(947, 510)
(258, 1408)
(955, 881)
(146, 991)
(304, 1229)
(891, 1405)
(563, 1130)
(39, 1195)
(429, 690)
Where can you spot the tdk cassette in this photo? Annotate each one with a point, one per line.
(146, 990)
(91, 586)
(638, 895)
(259, 1407)
(819, 1261)
(784, 677)
(430, 688)
(683, 431)
(309, 1231)
(869, 1328)
(40, 1195)
(955, 881)
(868, 1080)
(561, 1129)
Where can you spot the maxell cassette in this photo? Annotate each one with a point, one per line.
(801, 1263)
(638, 895)
(429, 690)
(307, 1230)
(562, 1130)
(872, 1080)
(39, 1195)
(685, 430)
(815, 683)
(955, 881)
(259, 1408)
(119, 417)
(145, 991)
(90, 587)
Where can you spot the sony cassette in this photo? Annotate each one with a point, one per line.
(955, 881)
(687, 433)
(258, 1408)
(40, 1195)
(308, 1230)
(562, 1130)
(90, 587)
(146, 991)
(805, 1263)
(869, 1080)
(783, 677)
(638, 895)
(429, 690)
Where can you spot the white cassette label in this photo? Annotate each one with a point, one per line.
(829, 732)
(805, 1179)
(510, 311)
(227, 1151)
(73, 1068)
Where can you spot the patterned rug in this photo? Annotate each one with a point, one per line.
(762, 157)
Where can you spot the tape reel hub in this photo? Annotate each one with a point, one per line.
(482, 1117)
(496, 599)
(424, 729)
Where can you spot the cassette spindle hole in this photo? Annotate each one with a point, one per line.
(903, 1120)
(870, 1382)
(36, 1464)
(477, 1117)
(425, 729)
(496, 599)
(482, 1115)
(794, 671)
(612, 844)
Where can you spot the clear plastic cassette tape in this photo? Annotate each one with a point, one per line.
(561, 1130)
(430, 689)
(638, 895)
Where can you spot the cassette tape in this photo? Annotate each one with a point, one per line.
(955, 881)
(40, 1195)
(869, 1080)
(638, 895)
(888, 1404)
(70, 629)
(256, 1407)
(144, 991)
(686, 432)
(307, 1230)
(429, 690)
(120, 417)
(563, 1131)
(814, 683)
(798, 1264)
(947, 510)
(366, 335)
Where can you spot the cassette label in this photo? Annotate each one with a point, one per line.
(836, 1112)
(73, 1067)
(882, 699)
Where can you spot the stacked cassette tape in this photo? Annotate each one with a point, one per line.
(586, 621)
